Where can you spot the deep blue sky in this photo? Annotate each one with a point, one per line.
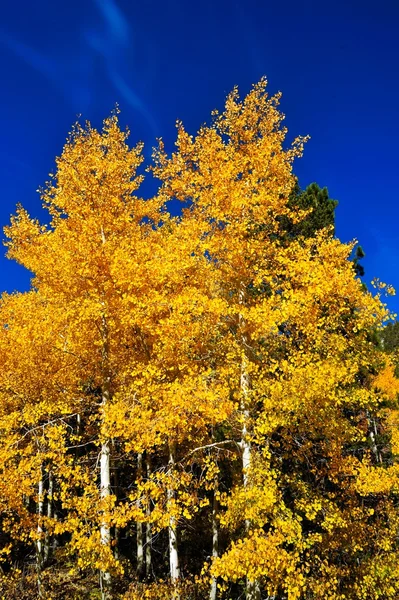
(336, 63)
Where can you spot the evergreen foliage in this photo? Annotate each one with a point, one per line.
(321, 210)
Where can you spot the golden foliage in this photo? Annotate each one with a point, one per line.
(238, 362)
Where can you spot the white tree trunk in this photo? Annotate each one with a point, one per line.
(373, 437)
(215, 536)
(148, 532)
(105, 457)
(50, 491)
(105, 489)
(105, 531)
(245, 443)
(39, 542)
(173, 549)
(139, 530)
(252, 587)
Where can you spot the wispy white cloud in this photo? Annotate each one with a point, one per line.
(133, 99)
(113, 44)
(71, 82)
(30, 56)
(117, 24)
(71, 71)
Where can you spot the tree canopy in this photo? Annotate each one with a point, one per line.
(193, 406)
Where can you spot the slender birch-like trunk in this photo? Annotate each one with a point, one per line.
(105, 531)
(172, 529)
(139, 526)
(47, 540)
(148, 532)
(252, 587)
(78, 450)
(39, 541)
(105, 467)
(105, 492)
(215, 536)
(373, 437)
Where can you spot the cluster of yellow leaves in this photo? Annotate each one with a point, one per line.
(262, 555)
(189, 589)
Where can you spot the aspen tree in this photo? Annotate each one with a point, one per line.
(224, 188)
(35, 407)
(173, 403)
(295, 314)
(75, 260)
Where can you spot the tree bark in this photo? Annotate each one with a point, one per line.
(39, 541)
(105, 531)
(252, 587)
(172, 529)
(47, 539)
(105, 461)
(373, 438)
(215, 536)
(139, 529)
(148, 532)
(105, 492)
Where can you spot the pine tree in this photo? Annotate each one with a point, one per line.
(321, 209)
